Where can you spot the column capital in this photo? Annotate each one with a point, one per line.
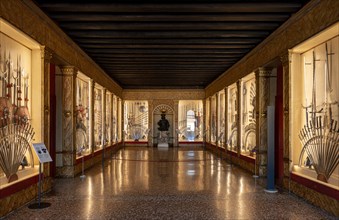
(46, 54)
(285, 58)
(69, 70)
(263, 72)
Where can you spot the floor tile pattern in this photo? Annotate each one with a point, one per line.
(178, 183)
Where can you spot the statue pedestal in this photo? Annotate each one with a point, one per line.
(163, 145)
(163, 139)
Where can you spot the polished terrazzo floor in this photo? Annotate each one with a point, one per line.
(178, 183)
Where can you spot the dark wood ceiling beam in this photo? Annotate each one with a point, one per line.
(169, 26)
(160, 68)
(187, 55)
(167, 34)
(168, 46)
(173, 41)
(161, 59)
(120, 62)
(199, 17)
(168, 51)
(225, 63)
(262, 7)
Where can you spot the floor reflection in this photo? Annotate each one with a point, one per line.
(175, 183)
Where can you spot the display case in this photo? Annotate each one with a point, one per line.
(108, 121)
(248, 122)
(208, 120)
(82, 115)
(136, 120)
(221, 118)
(98, 111)
(190, 117)
(114, 119)
(20, 113)
(119, 133)
(214, 119)
(314, 108)
(232, 113)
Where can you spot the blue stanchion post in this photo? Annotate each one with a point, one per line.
(270, 150)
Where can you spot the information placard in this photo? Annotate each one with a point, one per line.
(42, 152)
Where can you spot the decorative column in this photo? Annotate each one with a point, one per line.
(68, 120)
(226, 118)
(46, 57)
(239, 116)
(262, 77)
(210, 121)
(285, 61)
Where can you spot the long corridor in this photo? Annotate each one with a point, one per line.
(178, 183)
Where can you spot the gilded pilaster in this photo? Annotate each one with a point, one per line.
(46, 57)
(285, 61)
(262, 76)
(210, 122)
(69, 119)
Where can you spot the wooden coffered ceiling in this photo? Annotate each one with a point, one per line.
(168, 44)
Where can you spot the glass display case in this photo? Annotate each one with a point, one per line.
(314, 128)
(136, 120)
(248, 121)
(114, 119)
(108, 122)
(190, 119)
(19, 125)
(208, 120)
(82, 115)
(232, 113)
(213, 119)
(97, 96)
(221, 118)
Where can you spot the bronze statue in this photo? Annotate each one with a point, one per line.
(163, 123)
